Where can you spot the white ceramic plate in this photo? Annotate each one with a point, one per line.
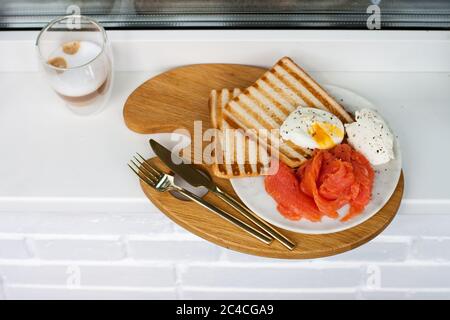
(252, 192)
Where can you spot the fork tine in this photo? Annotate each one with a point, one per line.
(149, 167)
(144, 171)
(143, 167)
(142, 177)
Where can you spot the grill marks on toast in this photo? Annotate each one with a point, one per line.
(295, 88)
(267, 103)
(237, 145)
(327, 102)
(272, 97)
(290, 152)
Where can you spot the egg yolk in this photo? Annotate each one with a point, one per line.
(322, 133)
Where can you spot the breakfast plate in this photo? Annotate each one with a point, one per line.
(252, 190)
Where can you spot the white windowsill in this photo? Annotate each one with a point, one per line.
(52, 160)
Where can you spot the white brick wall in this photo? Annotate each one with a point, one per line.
(272, 276)
(91, 248)
(178, 249)
(13, 247)
(424, 275)
(146, 256)
(434, 249)
(96, 275)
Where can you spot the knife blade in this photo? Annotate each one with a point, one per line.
(191, 175)
(178, 165)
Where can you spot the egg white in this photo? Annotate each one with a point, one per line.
(297, 128)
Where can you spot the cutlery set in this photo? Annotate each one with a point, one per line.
(162, 182)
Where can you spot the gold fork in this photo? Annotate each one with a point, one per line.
(163, 182)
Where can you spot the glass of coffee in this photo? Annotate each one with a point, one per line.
(77, 60)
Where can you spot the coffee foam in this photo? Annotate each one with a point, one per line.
(71, 47)
(85, 79)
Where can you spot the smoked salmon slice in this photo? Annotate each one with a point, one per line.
(292, 203)
(364, 175)
(322, 185)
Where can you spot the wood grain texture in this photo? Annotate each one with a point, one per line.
(177, 98)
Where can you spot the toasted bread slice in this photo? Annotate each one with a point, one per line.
(267, 103)
(236, 160)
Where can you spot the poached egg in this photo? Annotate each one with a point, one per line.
(371, 136)
(312, 128)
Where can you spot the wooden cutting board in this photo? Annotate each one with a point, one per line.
(174, 100)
